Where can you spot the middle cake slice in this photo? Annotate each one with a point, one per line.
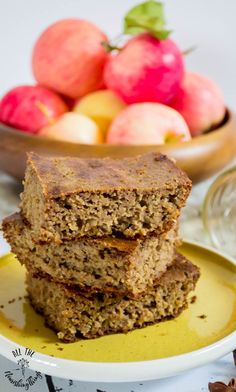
(97, 264)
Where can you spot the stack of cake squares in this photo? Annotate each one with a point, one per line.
(98, 238)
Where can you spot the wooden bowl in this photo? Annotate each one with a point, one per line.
(201, 157)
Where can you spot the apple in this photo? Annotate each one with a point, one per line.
(148, 123)
(102, 106)
(74, 128)
(30, 108)
(200, 102)
(69, 58)
(145, 70)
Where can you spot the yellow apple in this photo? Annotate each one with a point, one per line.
(102, 106)
(74, 128)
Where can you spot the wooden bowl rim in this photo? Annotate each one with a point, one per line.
(198, 140)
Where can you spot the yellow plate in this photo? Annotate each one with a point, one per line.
(207, 321)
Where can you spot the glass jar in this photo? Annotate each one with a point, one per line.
(219, 212)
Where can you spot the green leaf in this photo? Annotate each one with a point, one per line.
(147, 17)
(161, 35)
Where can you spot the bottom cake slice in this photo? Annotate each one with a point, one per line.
(74, 315)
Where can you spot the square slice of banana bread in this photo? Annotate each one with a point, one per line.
(68, 197)
(73, 314)
(107, 264)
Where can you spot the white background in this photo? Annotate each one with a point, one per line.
(209, 24)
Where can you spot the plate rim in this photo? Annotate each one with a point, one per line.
(87, 371)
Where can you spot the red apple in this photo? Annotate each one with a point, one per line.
(148, 123)
(145, 70)
(200, 102)
(69, 58)
(30, 108)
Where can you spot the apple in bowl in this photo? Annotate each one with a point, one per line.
(94, 99)
(68, 57)
(74, 128)
(29, 108)
(148, 123)
(200, 102)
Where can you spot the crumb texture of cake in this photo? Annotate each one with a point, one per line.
(73, 314)
(68, 197)
(98, 264)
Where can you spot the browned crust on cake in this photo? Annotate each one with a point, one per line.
(67, 197)
(94, 264)
(68, 175)
(74, 314)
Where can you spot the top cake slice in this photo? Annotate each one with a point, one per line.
(64, 198)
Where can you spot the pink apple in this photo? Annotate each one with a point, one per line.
(148, 123)
(200, 102)
(145, 70)
(69, 58)
(75, 128)
(29, 108)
